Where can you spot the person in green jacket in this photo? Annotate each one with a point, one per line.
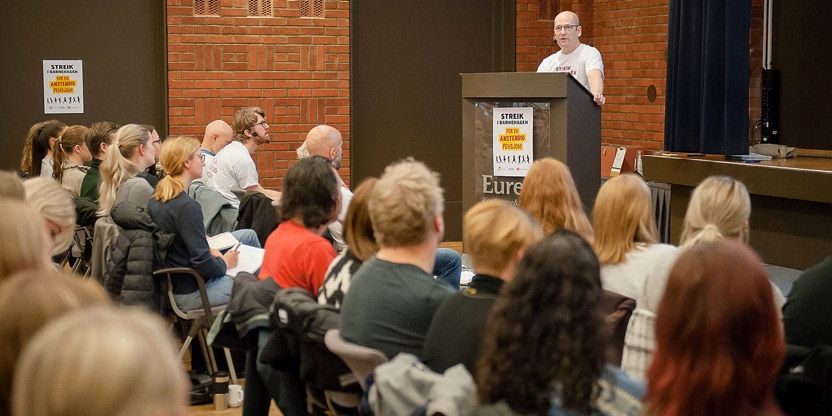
(98, 137)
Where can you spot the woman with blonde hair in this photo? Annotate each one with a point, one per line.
(70, 157)
(361, 245)
(633, 263)
(29, 300)
(99, 362)
(56, 210)
(11, 186)
(37, 148)
(132, 151)
(175, 212)
(549, 194)
(24, 235)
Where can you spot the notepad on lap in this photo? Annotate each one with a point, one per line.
(222, 241)
(251, 258)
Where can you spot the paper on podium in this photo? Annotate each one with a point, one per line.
(222, 241)
(250, 260)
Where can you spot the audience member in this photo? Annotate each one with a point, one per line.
(361, 245)
(633, 264)
(56, 211)
(98, 138)
(132, 152)
(218, 134)
(99, 362)
(326, 141)
(496, 235)
(233, 168)
(70, 156)
(544, 348)
(151, 174)
(296, 254)
(549, 194)
(175, 212)
(24, 238)
(11, 186)
(807, 314)
(719, 345)
(28, 301)
(719, 208)
(393, 297)
(37, 148)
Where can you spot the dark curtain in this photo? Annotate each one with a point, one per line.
(708, 73)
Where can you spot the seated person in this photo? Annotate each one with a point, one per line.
(393, 296)
(37, 148)
(807, 314)
(56, 210)
(496, 237)
(544, 349)
(175, 212)
(717, 329)
(550, 196)
(110, 362)
(233, 167)
(70, 156)
(633, 263)
(98, 138)
(296, 253)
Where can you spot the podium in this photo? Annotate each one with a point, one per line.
(566, 126)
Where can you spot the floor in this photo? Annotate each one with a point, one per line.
(208, 410)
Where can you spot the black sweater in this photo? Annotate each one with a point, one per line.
(182, 217)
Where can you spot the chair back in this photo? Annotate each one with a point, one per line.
(361, 360)
(167, 287)
(617, 309)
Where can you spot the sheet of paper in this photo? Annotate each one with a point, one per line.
(222, 241)
(251, 258)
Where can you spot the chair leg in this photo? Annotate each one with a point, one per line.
(184, 348)
(230, 365)
(207, 353)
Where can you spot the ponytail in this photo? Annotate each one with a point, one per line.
(36, 144)
(64, 146)
(708, 233)
(175, 153)
(116, 168)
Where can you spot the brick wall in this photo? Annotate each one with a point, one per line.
(295, 68)
(632, 38)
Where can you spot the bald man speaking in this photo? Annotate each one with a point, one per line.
(580, 60)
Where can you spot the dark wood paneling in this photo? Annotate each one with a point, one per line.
(122, 45)
(405, 83)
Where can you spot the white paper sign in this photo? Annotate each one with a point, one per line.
(513, 141)
(63, 86)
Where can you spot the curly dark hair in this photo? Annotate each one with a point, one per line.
(546, 333)
(310, 189)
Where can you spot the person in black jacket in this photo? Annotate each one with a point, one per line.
(496, 237)
(175, 212)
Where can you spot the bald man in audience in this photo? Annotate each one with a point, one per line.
(217, 135)
(326, 141)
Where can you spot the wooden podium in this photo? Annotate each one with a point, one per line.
(566, 126)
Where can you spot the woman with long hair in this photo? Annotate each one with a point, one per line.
(56, 210)
(132, 151)
(544, 349)
(361, 244)
(633, 263)
(549, 194)
(719, 343)
(24, 243)
(175, 212)
(37, 148)
(70, 157)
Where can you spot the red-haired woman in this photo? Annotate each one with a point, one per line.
(719, 343)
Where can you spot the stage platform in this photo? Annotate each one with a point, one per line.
(791, 201)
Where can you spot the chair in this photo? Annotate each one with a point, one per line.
(361, 360)
(200, 320)
(618, 309)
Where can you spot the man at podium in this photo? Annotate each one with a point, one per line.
(580, 60)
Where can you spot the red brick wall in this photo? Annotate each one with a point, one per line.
(296, 69)
(632, 38)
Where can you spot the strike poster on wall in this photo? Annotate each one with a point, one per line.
(513, 141)
(63, 86)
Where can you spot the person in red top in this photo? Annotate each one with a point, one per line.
(296, 253)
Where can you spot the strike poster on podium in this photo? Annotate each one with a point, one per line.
(63, 86)
(513, 141)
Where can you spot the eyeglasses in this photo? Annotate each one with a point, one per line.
(262, 123)
(565, 28)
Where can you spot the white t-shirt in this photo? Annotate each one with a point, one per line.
(583, 59)
(232, 168)
(642, 275)
(336, 228)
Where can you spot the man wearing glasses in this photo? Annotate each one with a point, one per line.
(233, 167)
(580, 60)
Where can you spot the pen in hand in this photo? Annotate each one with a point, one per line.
(236, 246)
